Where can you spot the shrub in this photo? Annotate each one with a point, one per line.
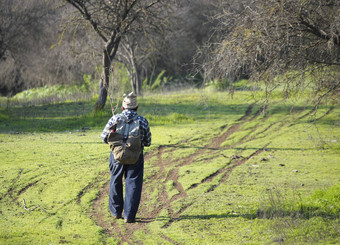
(323, 203)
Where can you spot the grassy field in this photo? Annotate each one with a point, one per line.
(219, 171)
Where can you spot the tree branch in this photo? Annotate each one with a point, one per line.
(318, 32)
(31, 209)
(87, 16)
(134, 17)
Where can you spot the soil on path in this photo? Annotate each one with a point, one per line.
(168, 172)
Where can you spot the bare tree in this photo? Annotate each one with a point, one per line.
(141, 44)
(170, 45)
(132, 63)
(20, 27)
(28, 30)
(111, 21)
(284, 43)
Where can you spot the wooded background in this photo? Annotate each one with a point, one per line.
(57, 42)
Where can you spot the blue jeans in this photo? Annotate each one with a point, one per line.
(133, 175)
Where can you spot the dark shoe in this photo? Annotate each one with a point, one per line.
(129, 220)
(119, 216)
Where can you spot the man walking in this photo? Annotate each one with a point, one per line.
(133, 173)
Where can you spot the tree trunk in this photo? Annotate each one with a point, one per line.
(108, 55)
(100, 104)
(135, 78)
(104, 82)
(133, 82)
(138, 82)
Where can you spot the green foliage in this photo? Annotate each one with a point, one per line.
(121, 79)
(50, 94)
(158, 81)
(323, 203)
(326, 201)
(219, 85)
(45, 92)
(155, 84)
(87, 84)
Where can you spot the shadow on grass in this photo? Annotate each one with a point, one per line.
(187, 146)
(99, 142)
(216, 216)
(249, 216)
(17, 126)
(70, 116)
(75, 115)
(197, 217)
(306, 213)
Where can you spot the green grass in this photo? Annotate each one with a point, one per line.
(284, 187)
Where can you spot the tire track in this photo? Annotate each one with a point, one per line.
(217, 141)
(24, 189)
(11, 188)
(228, 171)
(99, 216)
(170, 170)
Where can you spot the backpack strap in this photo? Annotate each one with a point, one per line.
(126, 131)
(127, 123)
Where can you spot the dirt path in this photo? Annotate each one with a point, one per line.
(169, 173)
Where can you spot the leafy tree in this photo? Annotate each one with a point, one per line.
(289, 43)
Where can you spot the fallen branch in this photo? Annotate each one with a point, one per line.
(31, 209)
